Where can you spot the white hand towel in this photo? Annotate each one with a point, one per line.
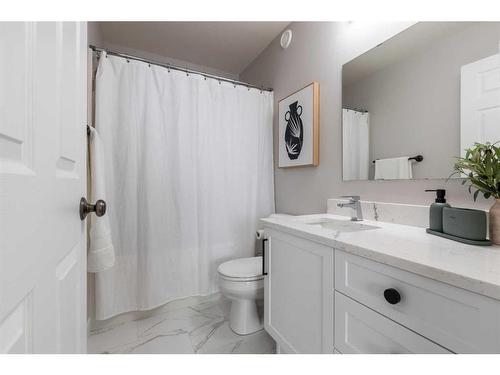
(101, 254)
(393, 169)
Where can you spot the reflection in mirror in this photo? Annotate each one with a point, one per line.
(412, 104)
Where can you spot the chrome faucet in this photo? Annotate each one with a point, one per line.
(355, 204)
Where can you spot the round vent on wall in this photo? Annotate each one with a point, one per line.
(286, 38)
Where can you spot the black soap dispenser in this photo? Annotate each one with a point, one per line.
(436, 211)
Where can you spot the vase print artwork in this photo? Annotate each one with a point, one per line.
(294, 134)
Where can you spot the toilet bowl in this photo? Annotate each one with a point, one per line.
(241, 281)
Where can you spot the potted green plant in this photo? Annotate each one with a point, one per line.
(481, 169)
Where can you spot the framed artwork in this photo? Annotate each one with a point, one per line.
(298, 117)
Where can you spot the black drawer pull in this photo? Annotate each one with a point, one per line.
(392, 296)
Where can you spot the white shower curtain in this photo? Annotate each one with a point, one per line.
(189, 169)
(355, 145)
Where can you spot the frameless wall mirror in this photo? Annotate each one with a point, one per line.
(413, 103)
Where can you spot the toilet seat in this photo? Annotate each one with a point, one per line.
(242, 269)
(240, 279)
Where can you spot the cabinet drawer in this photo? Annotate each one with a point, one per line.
(459, 320)
(359, 329)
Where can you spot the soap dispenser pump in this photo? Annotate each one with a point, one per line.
(436, 210)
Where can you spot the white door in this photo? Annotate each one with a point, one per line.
(42, 178)
(480, 102)
(298, 294)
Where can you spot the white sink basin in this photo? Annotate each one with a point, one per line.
(341, 225)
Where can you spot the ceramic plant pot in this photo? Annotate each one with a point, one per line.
(495, 222)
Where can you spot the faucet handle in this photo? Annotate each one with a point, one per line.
(355, 198)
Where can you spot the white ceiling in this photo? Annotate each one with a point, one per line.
(225, 46)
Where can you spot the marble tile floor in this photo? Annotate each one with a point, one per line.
(193, 326)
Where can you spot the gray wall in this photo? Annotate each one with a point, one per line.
(414, 103)
(96, 38)
(317, 53)
(94, 34)
(167, 60)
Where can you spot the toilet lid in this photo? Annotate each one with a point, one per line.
(243, 267)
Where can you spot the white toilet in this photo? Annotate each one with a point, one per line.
(241, 281)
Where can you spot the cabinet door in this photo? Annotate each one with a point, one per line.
(298, 292)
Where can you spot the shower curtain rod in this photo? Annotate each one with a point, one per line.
(179, 68)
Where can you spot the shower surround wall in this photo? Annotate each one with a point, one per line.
(317, 53)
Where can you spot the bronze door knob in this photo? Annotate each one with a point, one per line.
(85, 208)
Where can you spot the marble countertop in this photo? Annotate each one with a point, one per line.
(474, 268)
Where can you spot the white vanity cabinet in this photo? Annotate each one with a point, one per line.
(298, 294)
(454, 318)
(322, 300)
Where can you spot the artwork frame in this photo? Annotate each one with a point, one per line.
(298, 128)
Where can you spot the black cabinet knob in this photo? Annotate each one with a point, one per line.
(392, 296)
